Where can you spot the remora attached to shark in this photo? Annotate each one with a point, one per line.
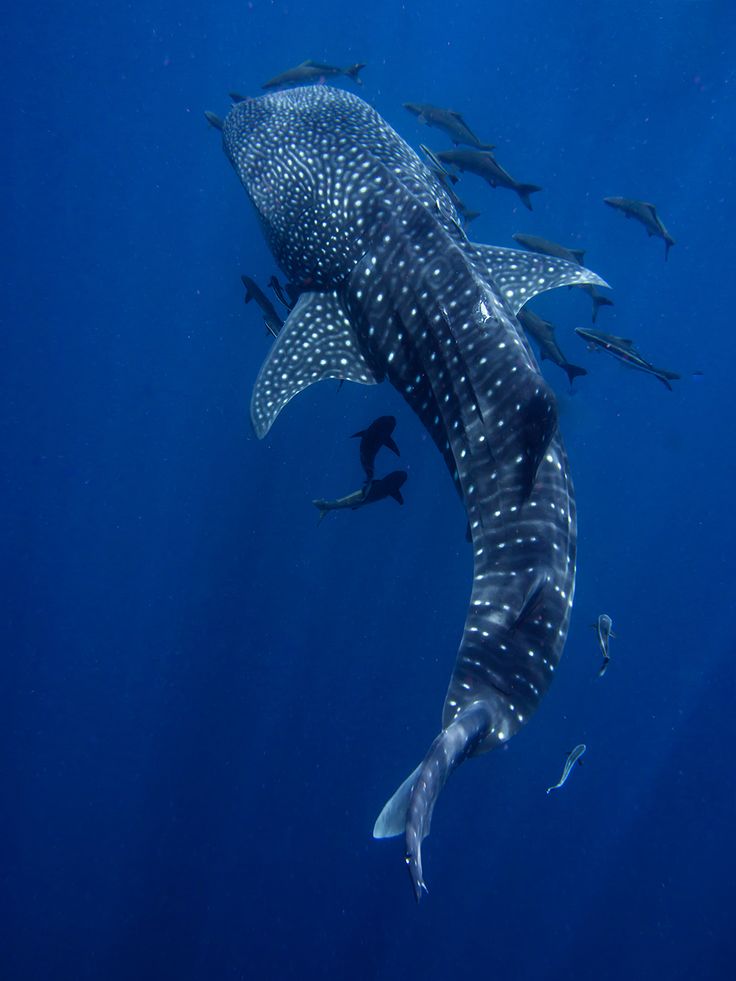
(399, 293)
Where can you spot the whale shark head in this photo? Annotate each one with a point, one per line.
(312, 161)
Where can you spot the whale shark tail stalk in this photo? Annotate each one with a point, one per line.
(524, 190)
(409, 811)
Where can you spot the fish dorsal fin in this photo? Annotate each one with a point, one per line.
(625, 341)
(316, 342)
(519, 276)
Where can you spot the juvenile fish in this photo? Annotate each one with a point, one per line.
(623, 349)
(484, 164)
(645, 213)
(313, 71)
(374, 490)
(572, 759)
(603, 630)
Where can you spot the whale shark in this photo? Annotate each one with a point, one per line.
(395, 291)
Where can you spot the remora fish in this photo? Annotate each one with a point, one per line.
(374, 490)
(448, 120)
(436, 165)
(544, 247)
(287, 294)
(378, 434)
(311, 71)
(572, 758)
(623, 349)
(484, 164)
(271, 319)
(647, 214)
(603, 628)
(543, 333)
(447, 179)
(401, 294)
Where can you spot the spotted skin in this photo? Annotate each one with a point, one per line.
(398, 293)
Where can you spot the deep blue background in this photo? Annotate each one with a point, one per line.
(206, 697)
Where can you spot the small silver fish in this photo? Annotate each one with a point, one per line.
(603, 628)
(572, 758)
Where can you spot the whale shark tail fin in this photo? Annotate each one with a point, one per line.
(409, 810)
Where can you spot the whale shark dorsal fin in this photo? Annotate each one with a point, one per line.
(316, 342)
(520, 276)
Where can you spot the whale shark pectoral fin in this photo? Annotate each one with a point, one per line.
(520, 276)
(391, 445)
(317, 341)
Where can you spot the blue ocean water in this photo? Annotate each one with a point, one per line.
(206, 697)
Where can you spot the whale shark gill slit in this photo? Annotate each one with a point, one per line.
(399, 293)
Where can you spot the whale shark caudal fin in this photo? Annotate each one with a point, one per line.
(409, 810)
(520, 276)
(316, 342)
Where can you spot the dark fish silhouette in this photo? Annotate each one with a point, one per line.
(484, 164)
(543, 333)
(313, 71)
(645, 213)
(287, 294)
(623, 349)
(544, 247)
(446, 119)
(447, 180)
(214, 120)
(436, 164)
(375, 490)
(572, 758)
(603, 631)
(399, 293)
(599, 299)
(378, 434)
(271, 319)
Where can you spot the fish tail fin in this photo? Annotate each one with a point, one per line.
(352, 72)
(524, 190)
(574, 371)
(666, 377)
(409, 810)
(322, 508)
(598, 302)
(391, 445)
(248, 294)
